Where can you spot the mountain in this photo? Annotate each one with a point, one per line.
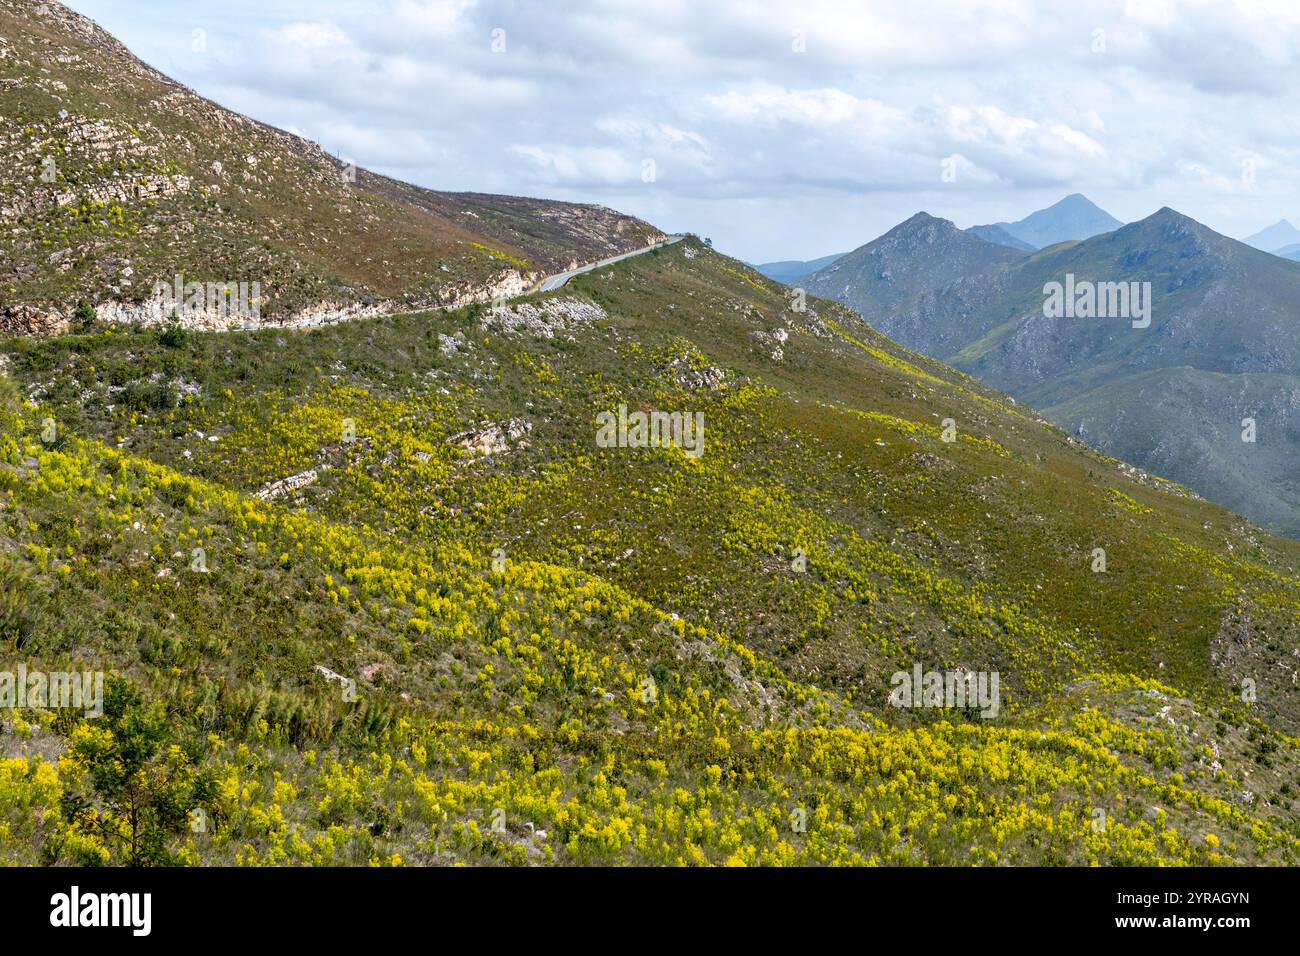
(1275, 237)
(392, 591)
(308, 590)
(1288, 252)
(1074, 217)
(115, 178)
(998, 235)
(913, 257)
(1222, 346)
(788, 270)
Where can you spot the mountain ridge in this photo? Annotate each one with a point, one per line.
(108, 158)
(1218, 306)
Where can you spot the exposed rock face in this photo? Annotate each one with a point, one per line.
(452, 345)
(378, 669)
(493, 438)
(772, 341)
(695, 376)
(161, 311)
(287, 486)
(546, 320)
(507, 285)
(29, 320)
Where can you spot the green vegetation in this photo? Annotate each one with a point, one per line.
(560, 653)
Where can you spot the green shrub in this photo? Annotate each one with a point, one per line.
(84, 317)
(22, 603)
(175, 336)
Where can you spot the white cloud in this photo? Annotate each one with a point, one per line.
(836, 143)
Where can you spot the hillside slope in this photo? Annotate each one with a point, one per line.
(391, 592)
(113, 178)
(571, 653)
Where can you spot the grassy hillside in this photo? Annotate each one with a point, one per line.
(650, 657)
(114, 177)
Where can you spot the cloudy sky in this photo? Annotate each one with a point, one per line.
(779, 128)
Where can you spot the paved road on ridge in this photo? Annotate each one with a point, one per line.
(550, 283)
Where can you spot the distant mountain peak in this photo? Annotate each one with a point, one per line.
(1275, 237)
(1073, 217)
(1169, 214)
(923, 221)
(923, 227)
(998, 235)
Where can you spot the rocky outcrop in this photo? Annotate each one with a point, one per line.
(493, 438)
(771, 342)
(288, 486)
(506, 285)
(544, 320)
(690, 373)
(161, 311)
(29, 320)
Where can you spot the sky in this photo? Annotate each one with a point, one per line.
(781, 129)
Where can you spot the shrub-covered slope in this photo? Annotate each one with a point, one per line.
(345, 638)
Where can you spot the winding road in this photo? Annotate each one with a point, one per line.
(550, 283)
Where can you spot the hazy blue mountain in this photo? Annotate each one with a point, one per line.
(788, 270)
(1074, 217)
(1276, 237)
(998, 235)
(1289, 252)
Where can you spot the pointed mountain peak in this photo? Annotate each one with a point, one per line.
(1074, 217)
(1169, 214)
(922, 218)
(1074, 199)
(1168, 224)
(1275, 237)
(923, 223)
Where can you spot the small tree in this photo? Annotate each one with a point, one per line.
(85, 316)
(175, 336)
(135, 787)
